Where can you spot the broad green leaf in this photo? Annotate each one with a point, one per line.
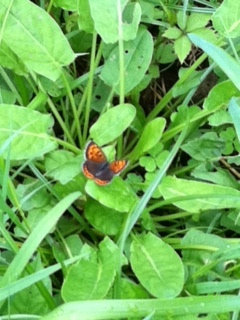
(107, 13)
(76, 184)
(85, 20)
(131, 290)
(234, 110)
(9, 59)
(70, 5)
(7, 96)
(62, 165)
(197, 237)
(201, 196)
(206, 34)
(172, 33)
(117, 195)
(33, 194)
(231, 220)
(31, 279)
(106, 220)
(44, 49)
(29, 301)
(27, 131)
(183, 113)
(220, 95)
(157, 266)
(137, 58)
(181, 19)
(165, 53)
(92, 277)
(196, 21)
(226, 19)
(219, 118)
(150, 137)
(21, 259)
(226, 62)
(191, 82)
(208, 254)
(100, 96)
(112, 123)
(182, 47)
(215, 175)
(72, 245)
(206, 147)
(131, 18)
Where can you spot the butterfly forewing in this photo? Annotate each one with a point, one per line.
(94, 153)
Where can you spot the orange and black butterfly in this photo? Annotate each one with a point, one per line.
(97, 168)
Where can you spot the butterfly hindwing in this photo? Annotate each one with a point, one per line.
(118, 166)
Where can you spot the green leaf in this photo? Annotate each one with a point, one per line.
(130, 290)
(201, 257)
(183, 113)
(191, 82)
(43, 50)
(182, 47)
(70, 5)
(214, 174)
(226, 19)
(29, 301)
(9, 59)
(131, 19)
(181, 19)
(25, 132)
(62, 165)
(32, 195)
(207, 34)
(21, 259)
(137, 58)
(220, 95)
(92, 277)
(228, 65)
(107, 13)
(201, 196)
(234, 110)
(106, 220)
(148, 163)
(151, 135)
(207, 147)
(196, 21)
(7, 96)
(85, 20)
(165, 53)
(219, 118)
(116, 195)
(115, 308)
(112, 123)
(172, 33)
(157, 266)
(72, 244)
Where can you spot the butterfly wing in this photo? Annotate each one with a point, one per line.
(96, 166)
(94, 153)
(95, 161)
(117, 166)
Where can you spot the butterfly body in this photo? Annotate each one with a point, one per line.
(97, 168)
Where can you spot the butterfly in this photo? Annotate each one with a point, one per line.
(97, 168)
